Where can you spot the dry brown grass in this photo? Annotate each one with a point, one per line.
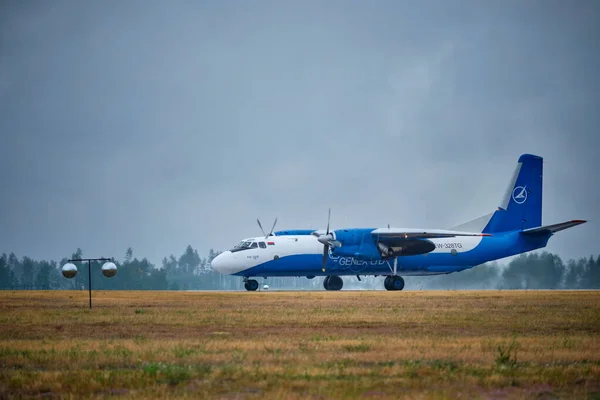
(493, 344)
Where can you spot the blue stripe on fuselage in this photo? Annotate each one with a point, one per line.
(490, 248)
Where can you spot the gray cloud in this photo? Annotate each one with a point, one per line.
(157, 125)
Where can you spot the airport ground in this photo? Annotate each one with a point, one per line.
(319, 345)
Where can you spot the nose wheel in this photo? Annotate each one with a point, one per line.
(251, 285)
(393, 282)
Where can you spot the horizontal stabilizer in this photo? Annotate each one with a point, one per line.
(550, 229)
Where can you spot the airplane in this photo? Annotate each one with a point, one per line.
(514, 227)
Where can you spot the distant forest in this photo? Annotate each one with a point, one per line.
(537, 270)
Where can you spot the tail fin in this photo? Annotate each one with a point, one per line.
(521, 207)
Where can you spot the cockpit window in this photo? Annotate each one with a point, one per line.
(262, 245)
(243, 245)
(254, 245)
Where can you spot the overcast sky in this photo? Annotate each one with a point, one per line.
(158, 124)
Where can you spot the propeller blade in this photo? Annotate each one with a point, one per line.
(325, 256)
(325, 240)
(272, 228)
(260, 226)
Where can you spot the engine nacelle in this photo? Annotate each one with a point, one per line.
(385, 251)
(344, 251)
(361, 253)
(357, 243)
(349, 237)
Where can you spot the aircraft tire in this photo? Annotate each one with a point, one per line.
(387, 283)
(251, 285)
(397, 283)
(393, 283)
(333, 282)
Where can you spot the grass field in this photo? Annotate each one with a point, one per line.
(447, 344)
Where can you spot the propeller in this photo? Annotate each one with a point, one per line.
(328, 241)
(272, 228)
(260, 226)
(325, 240)
(263, 231)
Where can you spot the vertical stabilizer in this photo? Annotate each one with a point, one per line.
(521, 207)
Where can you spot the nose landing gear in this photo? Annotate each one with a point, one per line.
(250, 284)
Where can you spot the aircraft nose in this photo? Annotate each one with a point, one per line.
(219, 262)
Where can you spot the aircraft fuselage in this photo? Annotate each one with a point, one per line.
(301, 255)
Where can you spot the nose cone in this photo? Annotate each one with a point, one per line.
(219, 263)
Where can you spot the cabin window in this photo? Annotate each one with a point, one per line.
(262, 245)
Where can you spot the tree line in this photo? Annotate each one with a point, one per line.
(190, 271)
(536, 270)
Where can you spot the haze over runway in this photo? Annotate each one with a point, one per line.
(156, 125)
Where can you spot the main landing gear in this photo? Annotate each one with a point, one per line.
(333, 282)
(250, 284)
(393, 282)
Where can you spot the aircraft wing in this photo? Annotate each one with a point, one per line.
(401, 233)
(550, 229)
(409, 242)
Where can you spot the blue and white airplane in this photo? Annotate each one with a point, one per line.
(514, 227)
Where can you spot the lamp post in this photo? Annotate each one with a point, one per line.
(109, 269)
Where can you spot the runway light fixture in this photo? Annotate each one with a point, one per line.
(109, 269)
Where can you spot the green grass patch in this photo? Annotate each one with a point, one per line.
(274, 345)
